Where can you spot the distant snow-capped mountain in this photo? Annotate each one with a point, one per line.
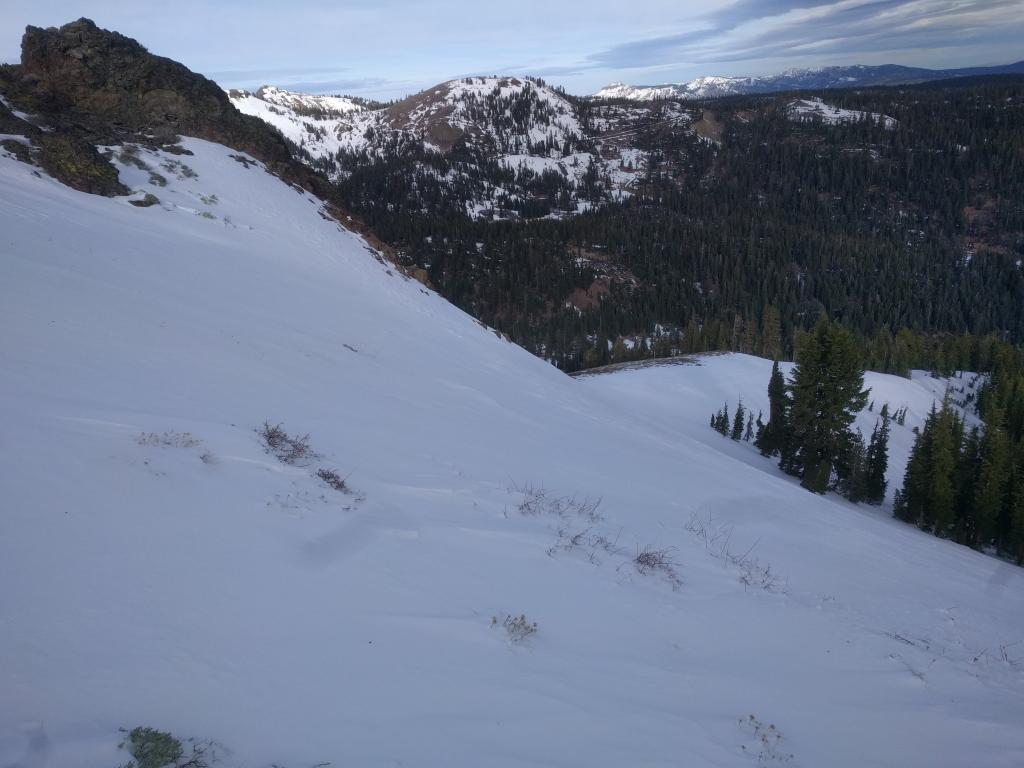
(701, 87)
(796, 79)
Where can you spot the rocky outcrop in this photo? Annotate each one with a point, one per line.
(94, 87)
(11, 123)
(75, 162)
(111, 88)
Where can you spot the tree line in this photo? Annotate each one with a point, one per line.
(967, 483)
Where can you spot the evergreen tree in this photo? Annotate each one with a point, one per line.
(966, 479)
(749, 433)
(772, 438)
(827, 390)
(1015, 536)
(738, 421)
(877, 461)
(940, 505)
(771, 333)
(720, 421)
(990, 493)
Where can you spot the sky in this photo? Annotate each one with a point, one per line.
(390, 48)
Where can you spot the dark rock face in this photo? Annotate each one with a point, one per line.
(11, 123)
(112, 87)
(75, 162)
(94, 87)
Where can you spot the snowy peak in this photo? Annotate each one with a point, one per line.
(796, 79)
(511, 114)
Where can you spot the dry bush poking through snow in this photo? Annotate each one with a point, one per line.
(586, 539)
(519, 628)
(768, 741)
(284, 447)
(333, 479)
(537, 500)
(716, 538)
(660, 561)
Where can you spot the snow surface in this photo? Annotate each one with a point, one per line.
(208, 589)
(816, 109)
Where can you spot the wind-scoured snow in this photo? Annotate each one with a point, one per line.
(160, 568)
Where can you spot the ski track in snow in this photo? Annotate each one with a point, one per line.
(235, 598)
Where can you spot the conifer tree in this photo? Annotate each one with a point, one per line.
(940, 507)
(1015, 535)
(738, 421)
(877, 461)
(772, 437)
(989, 495)
(966, 479)
(771, 333)
(827, 390)
(749, 433)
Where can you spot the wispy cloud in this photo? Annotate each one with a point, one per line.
(393, 47)
(752, 30)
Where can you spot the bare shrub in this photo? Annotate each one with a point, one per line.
(333, 479)
(767, 741)
(659, 561)
(594, 545)
(169, 439)
(284, 447)
(537, 500)
(717, 538)
(519, 628)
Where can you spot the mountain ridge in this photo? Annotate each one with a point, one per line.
(829, 77)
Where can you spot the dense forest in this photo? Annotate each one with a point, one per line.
(967, 483)
(910, 233)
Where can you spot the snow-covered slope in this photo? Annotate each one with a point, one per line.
(321, 124)
(160, 568)
(816, 109)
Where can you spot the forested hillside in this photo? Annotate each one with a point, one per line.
(743, 220)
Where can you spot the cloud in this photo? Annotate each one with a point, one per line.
(750, 30)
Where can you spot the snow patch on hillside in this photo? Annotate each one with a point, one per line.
(816, 109)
